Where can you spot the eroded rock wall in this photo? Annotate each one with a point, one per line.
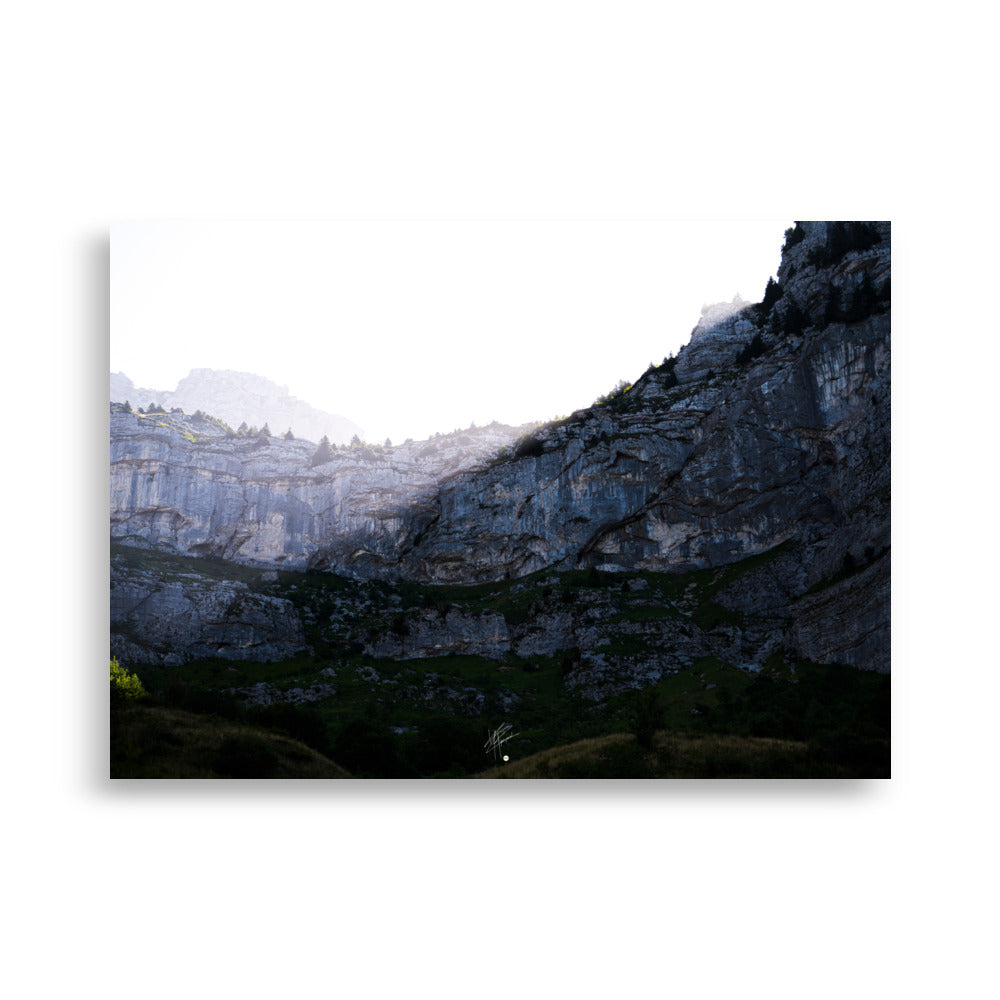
(171, 621)
(772, 426)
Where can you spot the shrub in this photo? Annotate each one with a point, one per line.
(794, 320)
(841, 239)
(668, 366)
(863, 302)
(752, 350)
(124, 685)
(648, 717)
(617, 393)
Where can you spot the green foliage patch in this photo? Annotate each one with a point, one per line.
(125, 686)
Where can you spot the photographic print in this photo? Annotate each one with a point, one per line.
(497, 500)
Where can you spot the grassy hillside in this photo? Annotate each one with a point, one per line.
(152, 741)
(674, 755)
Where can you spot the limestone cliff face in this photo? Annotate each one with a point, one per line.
(732, 460)
(184, 485)
(771, 428)
(170, 621)
(721, 458)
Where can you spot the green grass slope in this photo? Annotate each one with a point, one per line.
(674, 755)
(154, 741)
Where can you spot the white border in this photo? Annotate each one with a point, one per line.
(535, 111)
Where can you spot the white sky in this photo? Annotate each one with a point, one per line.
(407, 328)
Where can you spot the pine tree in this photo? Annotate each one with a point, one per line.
(323, 453)
(289, 436)
(772, 293)
(795, 319)
(794, 235)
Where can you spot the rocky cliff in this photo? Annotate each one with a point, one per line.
(767, 436)
(172, 618)
(185, 484)
(239, 397)
(706, 460)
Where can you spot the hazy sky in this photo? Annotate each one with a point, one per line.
(407, 328)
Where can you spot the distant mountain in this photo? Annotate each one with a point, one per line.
(238, 397)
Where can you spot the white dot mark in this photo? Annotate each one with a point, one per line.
(505, 757)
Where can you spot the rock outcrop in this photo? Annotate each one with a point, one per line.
(170, 620)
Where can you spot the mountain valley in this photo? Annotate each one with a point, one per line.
(708, 547)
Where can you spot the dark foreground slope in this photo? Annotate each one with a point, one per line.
(150, 740)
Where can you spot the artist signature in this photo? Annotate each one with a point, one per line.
(497, 738)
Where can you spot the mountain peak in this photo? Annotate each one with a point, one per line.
(240, 397)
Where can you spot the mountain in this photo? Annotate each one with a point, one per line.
(745, 484)
(239, 397)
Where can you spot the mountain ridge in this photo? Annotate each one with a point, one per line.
(239, 397)
(768, 435)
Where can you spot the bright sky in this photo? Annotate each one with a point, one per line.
(407, 328)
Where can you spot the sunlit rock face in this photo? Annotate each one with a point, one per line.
(184, 485)
(711, 347)
(722, 458)
(240, 397)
